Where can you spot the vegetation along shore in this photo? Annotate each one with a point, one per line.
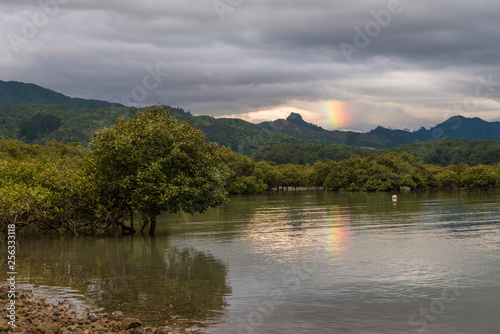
(154, 163)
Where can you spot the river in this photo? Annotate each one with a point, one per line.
(294, 262)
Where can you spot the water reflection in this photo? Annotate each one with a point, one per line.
(339, 232)
(375, 263)
(284, 232)
(141, 277)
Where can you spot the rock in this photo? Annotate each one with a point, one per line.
(117, 313)
(37, 316)
(31, 331)
(113, 325)
(130, 323)
(16, 329)
(48, 327)
(4, 325)
(93, 317)
(147, 330)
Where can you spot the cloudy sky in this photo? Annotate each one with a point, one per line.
(341, 64)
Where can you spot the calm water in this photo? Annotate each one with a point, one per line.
(308, 262)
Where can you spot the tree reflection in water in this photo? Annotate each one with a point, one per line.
(142, 277)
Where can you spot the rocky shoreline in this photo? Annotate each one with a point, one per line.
(37, 316)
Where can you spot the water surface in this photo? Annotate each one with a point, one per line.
(305, 262)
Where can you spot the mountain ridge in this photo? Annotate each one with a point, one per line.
(20, 102)
(15, 92)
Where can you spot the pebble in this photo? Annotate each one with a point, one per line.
(36, 315)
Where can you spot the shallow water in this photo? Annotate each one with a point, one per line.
(305, 262)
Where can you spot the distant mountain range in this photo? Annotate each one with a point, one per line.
(245, 137)
(35, 114)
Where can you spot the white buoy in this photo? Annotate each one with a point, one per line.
(394, 198)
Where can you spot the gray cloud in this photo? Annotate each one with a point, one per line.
(417, 65)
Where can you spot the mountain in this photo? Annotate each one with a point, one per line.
(309, 133)
(37, 124)
(34, 114)
(13, 92)
(298, 120)
(245, 137)
(241, 136)
(461, 128)
(458, 127)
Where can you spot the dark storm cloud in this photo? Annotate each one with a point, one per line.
(223, 57)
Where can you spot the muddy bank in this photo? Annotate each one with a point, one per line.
(36, 315)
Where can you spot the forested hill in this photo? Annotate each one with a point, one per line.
(455, 127)
(13, 92)
(34, 114)
(241, 136)
(38, 124)
(245, 137)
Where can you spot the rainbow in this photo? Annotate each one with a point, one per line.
(338, 113)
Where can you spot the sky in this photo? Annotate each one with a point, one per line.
(340, 64)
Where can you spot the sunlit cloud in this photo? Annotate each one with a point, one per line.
(281, 112)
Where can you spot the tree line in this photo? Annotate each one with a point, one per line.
(155, 163)
(379, 172)
(442, 153)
